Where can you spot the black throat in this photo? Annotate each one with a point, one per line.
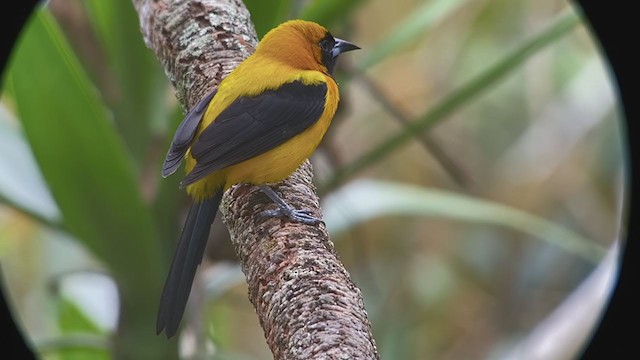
(326, 46)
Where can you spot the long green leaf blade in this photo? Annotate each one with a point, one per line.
(78, 151)
(139, 106)
(364, 200)
(90, 176)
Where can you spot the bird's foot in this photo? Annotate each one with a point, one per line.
(301, 216)
(286, 210)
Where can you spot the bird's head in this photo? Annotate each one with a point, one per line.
(304, 44)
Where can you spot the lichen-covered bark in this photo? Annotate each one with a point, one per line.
(198, 42)
(307, 304)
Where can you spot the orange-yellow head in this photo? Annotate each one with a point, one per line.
(309, 46)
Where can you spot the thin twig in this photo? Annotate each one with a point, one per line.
(428, 142)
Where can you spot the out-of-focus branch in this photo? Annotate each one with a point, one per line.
(428, 142)
(305, 300)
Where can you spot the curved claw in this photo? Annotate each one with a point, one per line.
(301, 216)
(284, 209)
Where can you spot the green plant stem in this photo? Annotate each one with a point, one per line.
(457, 98)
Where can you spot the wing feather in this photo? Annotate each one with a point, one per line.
(184, 135)
(251, 126)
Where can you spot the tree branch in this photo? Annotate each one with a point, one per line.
(306, 302)
(198, 42)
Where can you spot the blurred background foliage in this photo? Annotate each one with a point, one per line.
(472, 180)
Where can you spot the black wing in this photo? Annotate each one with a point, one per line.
(251, 126)
(184, 134)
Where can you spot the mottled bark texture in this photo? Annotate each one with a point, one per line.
(306, 302)
(198, 42)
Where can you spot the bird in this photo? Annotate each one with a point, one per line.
(257, 127)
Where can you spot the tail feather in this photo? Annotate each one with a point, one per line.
(186, 259)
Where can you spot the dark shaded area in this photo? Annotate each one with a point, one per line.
(12, 17)
(12, 343)
(611, 26)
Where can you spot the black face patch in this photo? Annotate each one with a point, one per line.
(326, 45)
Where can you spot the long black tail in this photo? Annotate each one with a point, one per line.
(186, 259)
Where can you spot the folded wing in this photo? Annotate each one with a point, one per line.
(254, 125)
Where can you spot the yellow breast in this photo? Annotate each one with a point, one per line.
(279, 162)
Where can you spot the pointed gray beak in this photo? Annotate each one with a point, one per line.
(342, 46)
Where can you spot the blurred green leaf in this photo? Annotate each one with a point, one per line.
(71, 319)
(364, 200)
(414, 27)
(76, 347)
(79, 153)
(459, 97)
(267, 14)
(169, 200)
(88, 172)
(142, 83)
(21, 183)
(329, 12)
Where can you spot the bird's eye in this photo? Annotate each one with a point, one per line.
(326, 44)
